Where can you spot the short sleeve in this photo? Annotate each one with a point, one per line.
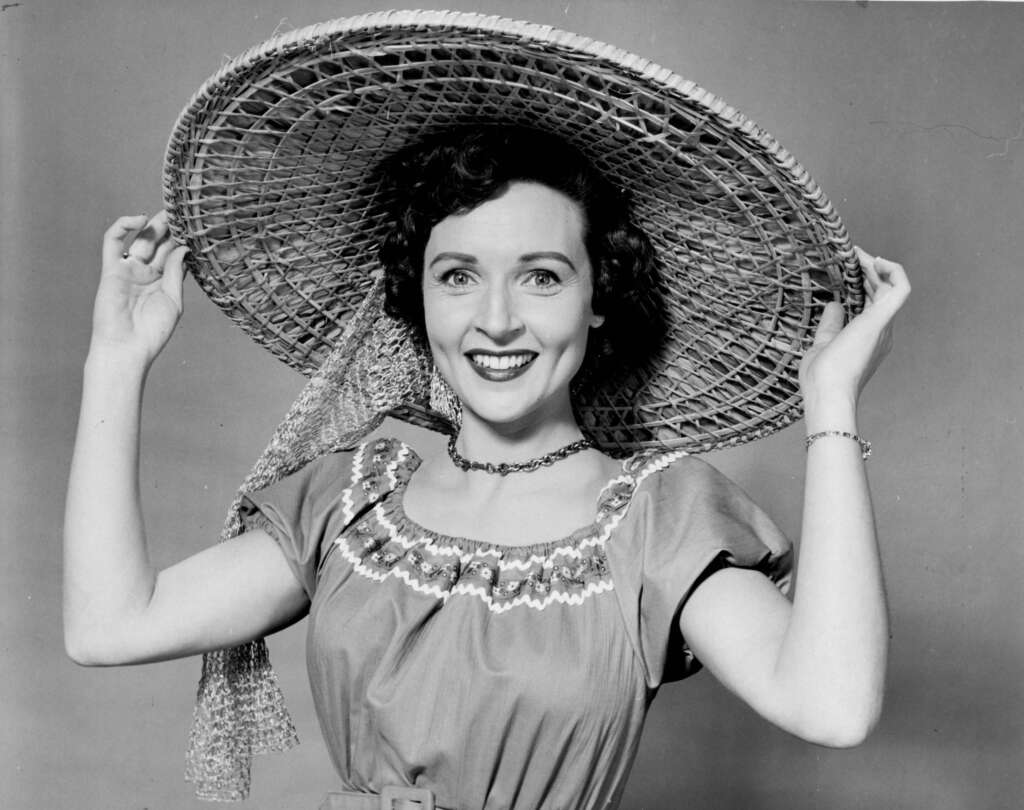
(687, 521)
(304, 512)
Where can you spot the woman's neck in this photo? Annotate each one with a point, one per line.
(483, 441)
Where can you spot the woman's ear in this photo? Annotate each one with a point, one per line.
(596, 321)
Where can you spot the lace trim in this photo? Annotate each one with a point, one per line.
(386, 543)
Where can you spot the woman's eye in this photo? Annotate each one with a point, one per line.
(456, 278)
(542, 278)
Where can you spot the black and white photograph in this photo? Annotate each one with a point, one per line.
(529, 405)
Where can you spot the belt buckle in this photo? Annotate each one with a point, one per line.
(392, 794)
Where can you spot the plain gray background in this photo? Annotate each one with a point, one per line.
(908, 115)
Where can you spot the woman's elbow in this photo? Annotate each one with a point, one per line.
(846, 727)
(91, 647)
(849, 736)
(80, 651)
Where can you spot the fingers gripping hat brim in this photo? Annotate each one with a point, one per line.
(270, 180)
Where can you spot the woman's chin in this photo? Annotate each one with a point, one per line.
(506, 418)
(510, 414)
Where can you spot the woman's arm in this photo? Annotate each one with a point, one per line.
(117, 607)
(816, 667)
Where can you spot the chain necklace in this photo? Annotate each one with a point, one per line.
(530, 465)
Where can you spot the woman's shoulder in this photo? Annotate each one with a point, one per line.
(671, 469)
(673, 488)
(394, 435)
(390, 443)
(387, 450)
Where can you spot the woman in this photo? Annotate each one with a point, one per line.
(491, 616)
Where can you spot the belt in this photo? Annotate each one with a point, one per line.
(390, 798)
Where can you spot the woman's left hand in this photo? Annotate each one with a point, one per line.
(842, 359)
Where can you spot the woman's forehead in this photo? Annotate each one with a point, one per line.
(528, 217)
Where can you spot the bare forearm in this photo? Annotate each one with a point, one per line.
(834, 650)
(816, 667)
(117, 608)
(107, 573)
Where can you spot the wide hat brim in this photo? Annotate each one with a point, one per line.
(271, 180)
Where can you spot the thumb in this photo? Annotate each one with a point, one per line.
(830, 325)
(174, 275)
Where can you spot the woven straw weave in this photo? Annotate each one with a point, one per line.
(270, 180)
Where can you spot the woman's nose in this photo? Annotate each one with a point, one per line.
(497, 315)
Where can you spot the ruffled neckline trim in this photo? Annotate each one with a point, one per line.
(384, 467)
(615, 494)
(382, 542)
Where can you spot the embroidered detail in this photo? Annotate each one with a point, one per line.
(383, 542)
(347, 505)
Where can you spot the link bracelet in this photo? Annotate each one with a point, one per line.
(865, 446)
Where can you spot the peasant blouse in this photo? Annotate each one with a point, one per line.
(500, 677)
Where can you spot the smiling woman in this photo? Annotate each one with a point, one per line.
(451, 174)
(488, 624)
(507, 296)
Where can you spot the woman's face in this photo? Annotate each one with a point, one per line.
(507, 291)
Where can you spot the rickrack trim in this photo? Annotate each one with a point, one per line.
(380, 545)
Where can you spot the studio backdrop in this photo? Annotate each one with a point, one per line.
(909, 116)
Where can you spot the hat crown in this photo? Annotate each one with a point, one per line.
(270, 179)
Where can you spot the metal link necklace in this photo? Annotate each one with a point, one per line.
(530, 465)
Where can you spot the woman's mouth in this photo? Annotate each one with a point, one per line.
(500, 366)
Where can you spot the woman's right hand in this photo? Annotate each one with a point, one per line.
(138, 302)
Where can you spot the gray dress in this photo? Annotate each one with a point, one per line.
(499, 677)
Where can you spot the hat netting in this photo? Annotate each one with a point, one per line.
(270, 181)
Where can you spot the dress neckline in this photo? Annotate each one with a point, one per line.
(613, 499)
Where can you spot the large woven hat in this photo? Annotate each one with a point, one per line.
(270, 180)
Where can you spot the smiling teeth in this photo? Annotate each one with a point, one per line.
(501, 362)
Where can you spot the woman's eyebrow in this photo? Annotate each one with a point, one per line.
(547, 254)
(465, 258)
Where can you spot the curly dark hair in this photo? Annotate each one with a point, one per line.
(461, 168)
